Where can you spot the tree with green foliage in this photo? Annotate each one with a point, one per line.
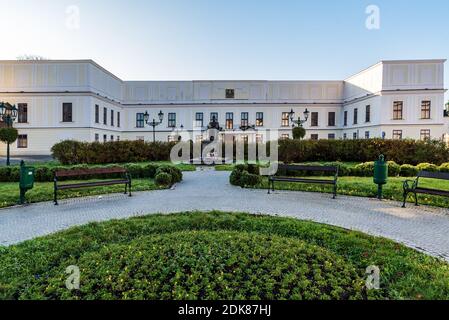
(299, 133)
(8, 135)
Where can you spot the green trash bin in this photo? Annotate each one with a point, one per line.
(380, 174)
(26, 180)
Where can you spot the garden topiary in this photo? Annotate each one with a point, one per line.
(299, 133)
(163, 179)
(235, 177)
(427, 167)
(8, 135)
(444, 167)
(365, 169)
(249, 180)
(175, 173)
(408, 170)
(393, 169)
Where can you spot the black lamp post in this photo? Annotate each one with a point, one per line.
(245, 128)
(154, 123)
(300, 121)
(8, 114)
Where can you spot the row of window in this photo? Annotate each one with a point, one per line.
(105, 138)
(105, 116)
(356, 116)
(314, 117)
(398, 110)
(396, 135)
(199, 119)
(67, 114)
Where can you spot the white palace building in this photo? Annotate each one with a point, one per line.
(59, 100)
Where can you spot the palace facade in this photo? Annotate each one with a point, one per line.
(59, 100)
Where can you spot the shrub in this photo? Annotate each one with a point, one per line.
(394, 169)
(400, 151)
(74, 152)
(299, 133)
(235, 177)
(8, 135)
(175, 173)
(444, 167)
(427, 167)
(163, 179)
(408, 170)
(365, 169)
(249, 180)
(45, 173)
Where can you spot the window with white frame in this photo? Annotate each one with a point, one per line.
(199, 119)
(22, 141)
(397, 134)
(425, 109)
(425, 134)
(259, 119)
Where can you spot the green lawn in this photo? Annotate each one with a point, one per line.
(209, 256)
(365, 187)
(43, 191)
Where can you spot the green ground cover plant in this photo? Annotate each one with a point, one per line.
(145, 177)
(46, 172)
(43, 191)
(203, 256)
(246, 176)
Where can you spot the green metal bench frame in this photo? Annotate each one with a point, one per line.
(126, 179)
(412, 186)
(303, 168)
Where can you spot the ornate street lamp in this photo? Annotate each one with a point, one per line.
(154, 123)
(8, 114)
(300, 121)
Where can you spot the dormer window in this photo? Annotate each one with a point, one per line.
(230, 93)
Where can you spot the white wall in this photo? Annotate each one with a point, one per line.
(46, 85)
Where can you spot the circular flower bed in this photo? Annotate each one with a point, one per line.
(217, 256)
(213, 265)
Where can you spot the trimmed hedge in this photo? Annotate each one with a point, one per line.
(400, 151)
(71, 152)
(46, 173)
(248, 175)
(290, 151)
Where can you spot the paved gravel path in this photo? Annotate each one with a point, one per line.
(423, 228)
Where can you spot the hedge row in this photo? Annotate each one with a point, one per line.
(401, 151)
(366, 169)
(246, 175)
(137, 171)
(71, 152)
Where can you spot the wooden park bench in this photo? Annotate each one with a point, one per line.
(412, 186)
(304, 169)
(59, 185)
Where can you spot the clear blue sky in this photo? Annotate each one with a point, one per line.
(229, 39)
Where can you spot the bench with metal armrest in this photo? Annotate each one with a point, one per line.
(302, 168)
(59, 185)
(412, 186)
